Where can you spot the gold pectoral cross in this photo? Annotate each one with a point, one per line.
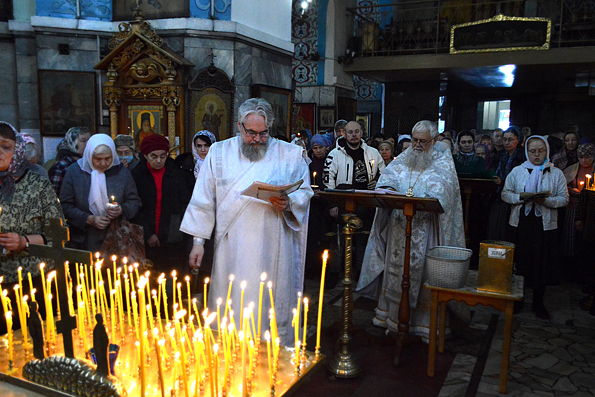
(409, 192)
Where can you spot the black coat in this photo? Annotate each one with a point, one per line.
(173, 192)
(185, 163)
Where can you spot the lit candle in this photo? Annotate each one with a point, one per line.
(113, 201)
(297, 357)
(205, 292)
(320, 299)
(198, 374)
(0, 219)
(8, 316)
(143, 327)
(314, 178)
(127, 292)
(242, 287)
(243, 355)
(189, 297)
(274, 319)
(267, 337)
(216, 367)
(263, 277)
(231, 278)
(174, 276)
(31, 289)
(219, 316)
(588, 181)
(371, 170)
(112, 313)
(296, 327)
(305, 321)
(299, 315)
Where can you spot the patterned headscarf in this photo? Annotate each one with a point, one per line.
(71, 138)
(206, 136)
(586, 150)
(16, 168)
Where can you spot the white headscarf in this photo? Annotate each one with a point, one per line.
(533, 184)
(204, 135)
(98, 192)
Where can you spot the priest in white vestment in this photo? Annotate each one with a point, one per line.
(252, 236)
(426, 172)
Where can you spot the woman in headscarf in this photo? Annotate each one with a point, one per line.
(512, 156)
(482, 150)
(386, 150)
(201, 143)
(96, 179)
(585, 221)
(27, 201)
(162, 193)
(126, 149)
(32, 153)
(575, 179)
(534, 219)
(403, 143)
(70, 149)
(567, 156)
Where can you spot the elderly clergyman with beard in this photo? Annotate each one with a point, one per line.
(252, 236)
(421, 171)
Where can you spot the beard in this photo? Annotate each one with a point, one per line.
(418, 160)
(254, 151)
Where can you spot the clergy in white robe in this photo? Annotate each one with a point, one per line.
(252, 236)
(429, 173)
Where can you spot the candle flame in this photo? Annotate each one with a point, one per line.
(125, 260)
(173, 274)
(325, 255)
(210, 319)
(243, 285)
(194, 300)
(41, 265)
(231, 277)
(187, 278)
(142, 282)
(251, 306)
(97, 255)
(155, 331)
(135, 264)
(267, 335)
(263, 277)
(241, 335)
(305, 301)
(114, 257)
(207, 280)
(219, 301)
(230, 328)
(270, 284)
(180, 314)
(215, 348)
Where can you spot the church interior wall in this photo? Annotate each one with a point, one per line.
(8, 100)
(407, 103)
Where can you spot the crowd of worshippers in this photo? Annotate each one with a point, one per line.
(147, 186)
(553, 234)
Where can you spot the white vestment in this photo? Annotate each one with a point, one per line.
(251, 236)
(384, 257)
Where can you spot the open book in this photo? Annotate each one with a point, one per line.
(530, 196)
(264, 191)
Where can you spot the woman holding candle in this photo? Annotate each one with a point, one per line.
(27, 201)
(534, 219)
(86, 191)
(585, 218)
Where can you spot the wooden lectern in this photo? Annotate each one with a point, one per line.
(351, 200)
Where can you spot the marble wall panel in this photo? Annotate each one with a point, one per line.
(175, 43)
(270, 73)
(8, 88)
(243, 68)
(242, 93)
(28, 102)
(200, 57)
(241, 47)
(209, 43)
(26, 69)
(76, 61)
(25, 46)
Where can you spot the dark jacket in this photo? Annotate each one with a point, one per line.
(173, 192)
(74, 198)
(185, 164)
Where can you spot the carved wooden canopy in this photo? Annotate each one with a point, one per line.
(142, 69)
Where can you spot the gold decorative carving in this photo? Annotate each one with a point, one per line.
(128, 53)
(144, 92)
(124, 32)
(145, 71)
(158, 56)
(146, 31)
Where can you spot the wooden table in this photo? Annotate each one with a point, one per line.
(471, 296)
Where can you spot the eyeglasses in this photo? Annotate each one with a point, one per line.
(421, 142)
(253, 134)
(536, 151)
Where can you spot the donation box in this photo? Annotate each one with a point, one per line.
(496, 260)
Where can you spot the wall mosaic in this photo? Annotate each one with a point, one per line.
(90, 9)
(202, 9)
(304, 35)
(367, 89)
